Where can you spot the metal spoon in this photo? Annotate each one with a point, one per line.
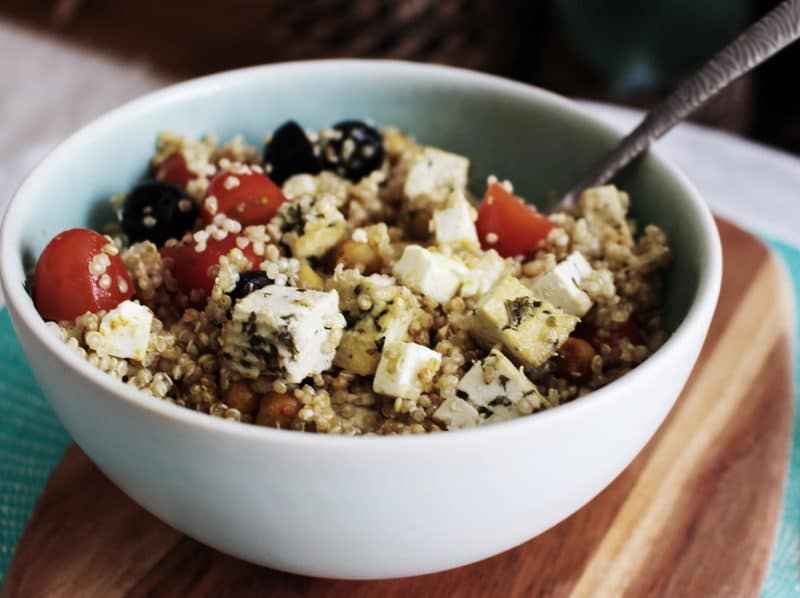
(767, 36)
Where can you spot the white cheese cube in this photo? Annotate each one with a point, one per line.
(494, 381)
(577, 266)
(605, 209)
(433, 175)
(406, 370)
(483, 271)
(283, 331)
(498, 413)
(360, 349)
(561, 285)
(386, 319)
(531, 330)
(431, 274)
(456, 413)
(311, 226)
(454, 224)
(125, 331)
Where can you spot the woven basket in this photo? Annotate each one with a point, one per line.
(472, 33)
(192, 36)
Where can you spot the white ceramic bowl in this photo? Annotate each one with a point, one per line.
(350, 507)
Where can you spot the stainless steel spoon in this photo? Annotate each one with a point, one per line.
(767, 36)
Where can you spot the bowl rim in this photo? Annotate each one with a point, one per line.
(698, 315)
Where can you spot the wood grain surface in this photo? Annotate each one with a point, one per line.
(694, 515)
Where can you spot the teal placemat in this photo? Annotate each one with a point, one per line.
(783, 577)
(32, 442)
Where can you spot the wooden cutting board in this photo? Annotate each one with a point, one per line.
(694, 515)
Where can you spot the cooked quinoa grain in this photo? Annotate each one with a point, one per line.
(362, 297)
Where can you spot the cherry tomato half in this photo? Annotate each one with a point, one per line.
(194, 271)
(250, 198)
(174, 171)
(626, 330)
(509, 225)
(71, 280)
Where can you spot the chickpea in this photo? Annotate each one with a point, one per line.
(362, 256)
(277, 410)
(575, 358)
(307, 278)
(417, 224)
(240, 396)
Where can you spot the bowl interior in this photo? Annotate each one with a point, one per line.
(540, 142)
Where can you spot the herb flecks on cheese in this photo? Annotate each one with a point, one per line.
(311, 226)
(283, 331)
(530, 330)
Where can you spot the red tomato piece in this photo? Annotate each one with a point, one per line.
(509, 225)
(627, 329)
(174, 171)
(194, 271)
(71, 279)
(250, 198)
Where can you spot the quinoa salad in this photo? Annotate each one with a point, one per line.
(348, 281)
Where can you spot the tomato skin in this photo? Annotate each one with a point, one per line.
(627, 329)
(64, 288)
(518, 226)
(192, 270)
(173, 170)
(253, 200)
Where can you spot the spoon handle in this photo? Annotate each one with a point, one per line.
(767, 36)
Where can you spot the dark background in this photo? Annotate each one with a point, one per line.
(624, 51)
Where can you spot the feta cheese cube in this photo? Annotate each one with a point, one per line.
(433, 175)
(125, 331)
(360, 348)
(530, 329)
(456, 413)
(483, 271)
(283, 331)
(605, 209)
(386, 319)
(498, 413)
(561, 285)
(406, 370)
(454, 224)
(431, 274)
(494, 380)
(311, 226)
